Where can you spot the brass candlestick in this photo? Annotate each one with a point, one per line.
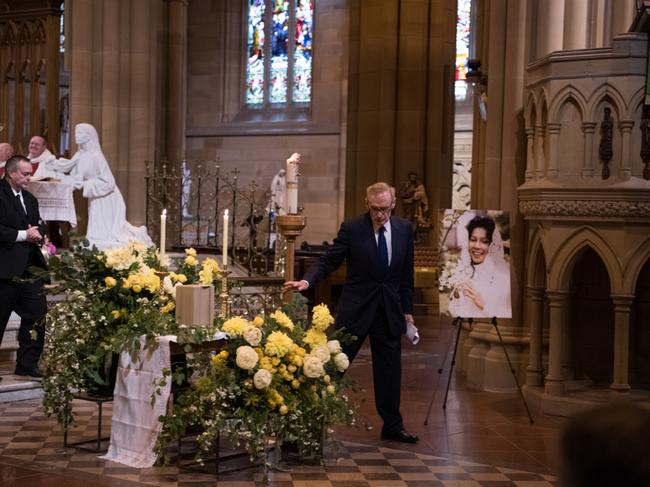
(224, 295)
(290, 226)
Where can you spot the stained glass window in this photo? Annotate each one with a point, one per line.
(61, 29)
(256, 38)
(280, 71)
(462, 47)
(302, 53)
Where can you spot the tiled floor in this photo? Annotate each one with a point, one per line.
(482, 439)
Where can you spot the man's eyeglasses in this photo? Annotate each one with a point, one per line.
(378, 211)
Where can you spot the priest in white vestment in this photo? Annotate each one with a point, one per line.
(42, 159)
(107, 225)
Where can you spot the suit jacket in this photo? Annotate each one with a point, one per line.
(367, 287)
(16, 257)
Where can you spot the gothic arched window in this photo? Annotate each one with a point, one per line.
(279, 53)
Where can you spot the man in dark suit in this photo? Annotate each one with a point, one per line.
(377, 297)
(21, 233)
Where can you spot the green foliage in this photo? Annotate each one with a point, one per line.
(296, 402)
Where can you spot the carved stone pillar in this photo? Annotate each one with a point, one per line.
(622, 304)
(554, 384)
(539, 152)
(176, 78)
(576, 23)
(530, 153)
(625, 171)
(535, 312)
(553, 147)
(588, 165)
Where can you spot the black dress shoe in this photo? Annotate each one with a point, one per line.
(34, 374)
(402, 436)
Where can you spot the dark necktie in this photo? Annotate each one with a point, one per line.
(20, 202)
(382, 248)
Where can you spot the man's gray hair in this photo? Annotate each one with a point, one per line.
(378, 188)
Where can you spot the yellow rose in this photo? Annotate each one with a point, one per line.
(168, 307)
(191, 252)
(295, 383)
(191, 260)
(110, 282)
(182, 278)
(284, 409)
(258, 321)
(331, 389)
(115, 314)
(136, 288)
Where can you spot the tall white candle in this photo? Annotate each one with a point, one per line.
(291, 195)
(163, 232)
(225, 240)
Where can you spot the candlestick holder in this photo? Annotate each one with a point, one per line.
(224, 295)
(161, 275)
(291, 226)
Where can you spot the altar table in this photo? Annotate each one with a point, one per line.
(55, 200)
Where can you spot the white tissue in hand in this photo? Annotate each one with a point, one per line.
(412, 333)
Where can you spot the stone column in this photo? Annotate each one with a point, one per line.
(554, 384)
(550, 27)
(575, 24)
(622, 16)
(622, 304)
(530, 154)
(176, 78)
(588, 165)
(625, 171)
(535, 312)
(540, 161)
(553, 147)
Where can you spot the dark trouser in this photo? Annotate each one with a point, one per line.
(386, 370)
(29, 302)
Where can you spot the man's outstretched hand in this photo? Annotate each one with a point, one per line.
(295, 286)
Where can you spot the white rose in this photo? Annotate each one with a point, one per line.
(313, 367)
(168, 286)
(334, 346)
(262, 379)
(247, 358)
(341, 361)
(253, 335)
(322, 352)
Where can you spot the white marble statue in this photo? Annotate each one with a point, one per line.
(278, 190)
(107, 225)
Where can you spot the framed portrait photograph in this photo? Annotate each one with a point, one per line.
(474, 276)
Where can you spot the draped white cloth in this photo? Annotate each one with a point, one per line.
(135, 425)
(55, 201)
(107, 225)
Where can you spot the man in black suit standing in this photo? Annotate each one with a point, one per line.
(21, 233)
(377, 297)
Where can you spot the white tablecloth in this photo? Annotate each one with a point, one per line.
(55, 200)
(135, 426)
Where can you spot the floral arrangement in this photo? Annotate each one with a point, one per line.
(108, 299)
(273, 378)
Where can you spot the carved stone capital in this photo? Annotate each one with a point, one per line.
(586, 208)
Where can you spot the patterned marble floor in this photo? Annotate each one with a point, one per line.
(481, 439)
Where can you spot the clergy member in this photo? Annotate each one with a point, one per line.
(6, 151)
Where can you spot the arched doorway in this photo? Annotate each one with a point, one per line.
(589, 349)
(640, 332)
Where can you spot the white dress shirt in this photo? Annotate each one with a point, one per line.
(22, 234)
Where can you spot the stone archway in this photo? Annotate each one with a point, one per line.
(640, 331)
